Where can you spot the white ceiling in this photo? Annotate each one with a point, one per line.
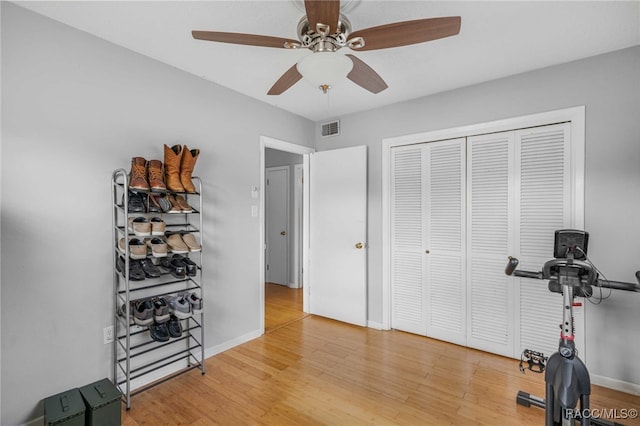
(496, 39)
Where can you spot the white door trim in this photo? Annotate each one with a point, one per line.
(268, 142)
(298, 172)
(575, 115)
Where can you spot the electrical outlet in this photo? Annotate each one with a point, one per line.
(107, 332)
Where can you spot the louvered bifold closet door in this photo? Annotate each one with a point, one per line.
(490, 225)
(445, 205)
(544, 205)
(407, 235)
(427, 239)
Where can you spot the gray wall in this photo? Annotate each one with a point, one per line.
(609, 87)
(74, 108)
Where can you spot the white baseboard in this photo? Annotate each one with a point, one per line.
(293, 285)
(35, 422)
(214, 350)
(619, 385)
(375, 325)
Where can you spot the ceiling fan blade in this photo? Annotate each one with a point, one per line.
(240, 38)
(407, 32)
(364, 76)
(325, 12)
(288, 79)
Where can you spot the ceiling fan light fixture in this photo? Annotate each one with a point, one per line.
(323, 69)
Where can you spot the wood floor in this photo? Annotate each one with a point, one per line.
(312, 371)
(282, 306)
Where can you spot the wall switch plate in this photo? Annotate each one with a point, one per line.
(107, 333)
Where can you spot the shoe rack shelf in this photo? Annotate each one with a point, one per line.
(140, 358)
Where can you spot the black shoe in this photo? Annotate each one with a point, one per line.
(161, 310)
(192, 268)
(148, 268)
(135, 269)
(159, 332)
(175, 266)
(175, 328)
(136, 203)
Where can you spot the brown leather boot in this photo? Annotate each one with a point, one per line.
(138, 174)
(172, 157)
(187, 164)
(156, 177)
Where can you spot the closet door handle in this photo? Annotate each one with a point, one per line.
(283, 233)
(426, 251)
(359, 246)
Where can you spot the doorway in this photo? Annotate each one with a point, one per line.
(283, 288)
(283, 226)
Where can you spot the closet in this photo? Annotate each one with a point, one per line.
(458, 209)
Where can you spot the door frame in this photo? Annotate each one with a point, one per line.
(287, 263)
(280, 145)
(575, 116)
(298, 191)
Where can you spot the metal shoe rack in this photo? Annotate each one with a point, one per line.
(139, 361)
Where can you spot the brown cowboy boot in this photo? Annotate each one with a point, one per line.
(154, 172)
(138, 174)
(187, 164)
(172, 157)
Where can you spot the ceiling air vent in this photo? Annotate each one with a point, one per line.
(330, 129)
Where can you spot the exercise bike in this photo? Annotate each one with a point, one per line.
(567, 380)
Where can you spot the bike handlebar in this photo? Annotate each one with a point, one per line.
(546, 273)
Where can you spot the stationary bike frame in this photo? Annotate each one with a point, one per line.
(566, 378)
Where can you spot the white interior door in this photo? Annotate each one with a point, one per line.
(337, 234)
(277, 218)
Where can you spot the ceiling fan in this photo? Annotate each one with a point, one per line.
(324, 30)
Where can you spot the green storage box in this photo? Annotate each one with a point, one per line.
(64, 409)
(102, 400)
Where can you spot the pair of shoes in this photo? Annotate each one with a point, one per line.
(161, 332)
(137, 248)
(177, 268)
(141, 311)
(142, 227)
(135, 269)
(190, 266)
(140, 202)
(146, 175)
(179, 162)
(139, 269)
(185, 304)
(179, 306)
(178, 204)
(183, 243)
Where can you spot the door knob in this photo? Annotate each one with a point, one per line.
(359, 246)
(283, 233)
